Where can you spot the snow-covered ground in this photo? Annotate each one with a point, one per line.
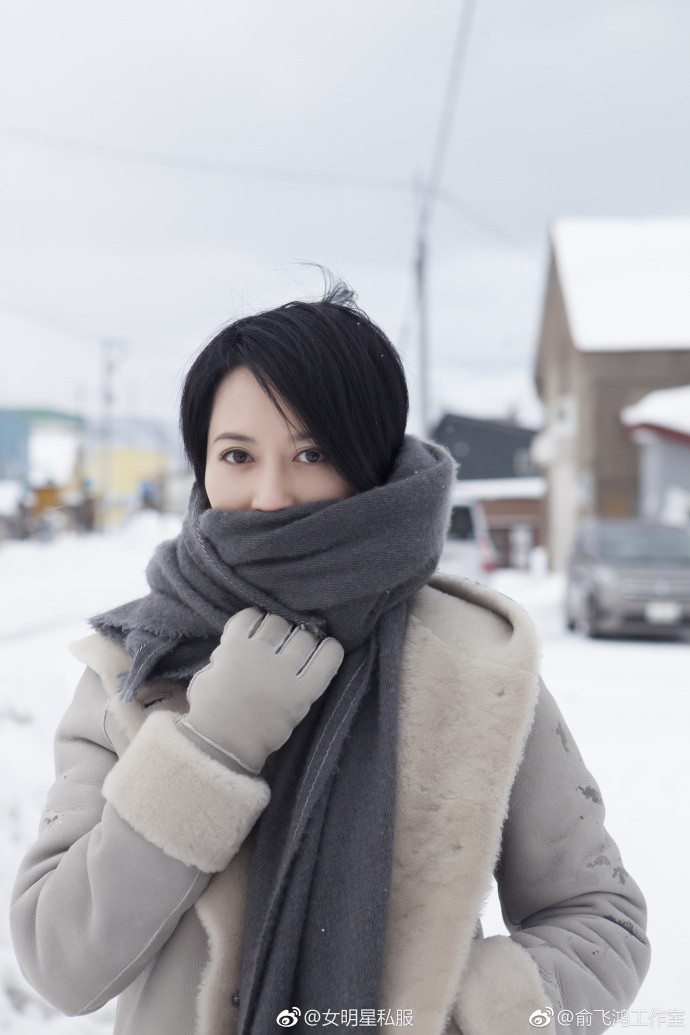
(626, 703)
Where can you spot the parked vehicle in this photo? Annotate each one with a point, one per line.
(468, 550)
(629, 576)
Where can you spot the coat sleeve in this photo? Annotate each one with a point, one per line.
(576, 916)
(125, 847)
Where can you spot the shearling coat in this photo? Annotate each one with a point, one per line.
(136, 885)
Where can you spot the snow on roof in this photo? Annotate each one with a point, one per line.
(53, 451)
(667, 408)
(11, 493)
(626, 282)
(527, 488)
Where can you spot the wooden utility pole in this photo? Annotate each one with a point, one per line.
(112, 351)
(423, 334)
(429, 195)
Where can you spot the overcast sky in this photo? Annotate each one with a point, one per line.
(129, 209)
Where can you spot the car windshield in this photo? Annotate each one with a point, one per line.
(645, 543)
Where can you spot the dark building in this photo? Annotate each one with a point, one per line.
(486, 448)
(495, 467)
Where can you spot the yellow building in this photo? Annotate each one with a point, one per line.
(126, 466)
(125, 479)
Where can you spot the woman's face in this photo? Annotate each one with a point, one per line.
(257, 461)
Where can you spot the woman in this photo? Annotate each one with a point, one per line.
(290, 771)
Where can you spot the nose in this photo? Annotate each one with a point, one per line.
(272, 491)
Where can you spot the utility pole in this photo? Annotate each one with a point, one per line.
(112, 351)
(428, 198)
(423, 333)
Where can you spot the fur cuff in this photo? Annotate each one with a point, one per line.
(193, 807)
(500, 989)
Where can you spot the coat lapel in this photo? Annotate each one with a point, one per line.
(467, 694)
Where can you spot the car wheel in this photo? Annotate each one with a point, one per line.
(588, 618)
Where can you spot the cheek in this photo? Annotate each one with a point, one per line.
(222, 492)
(212, 490)
(336, 487)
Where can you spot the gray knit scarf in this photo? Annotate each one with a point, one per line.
(318, 895)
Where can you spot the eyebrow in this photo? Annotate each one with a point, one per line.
(304, 436)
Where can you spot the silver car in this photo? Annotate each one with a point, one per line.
(629, 576)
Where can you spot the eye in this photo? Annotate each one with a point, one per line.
(236, 456)
(312, 456)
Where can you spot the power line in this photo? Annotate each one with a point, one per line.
(184, 163)
(187, 163)
(55, 323)
(482, 221)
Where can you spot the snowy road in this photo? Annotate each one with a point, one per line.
(627, 705)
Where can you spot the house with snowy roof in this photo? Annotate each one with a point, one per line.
(615, 327)
(659, 425)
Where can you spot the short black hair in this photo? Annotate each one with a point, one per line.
(332, 365)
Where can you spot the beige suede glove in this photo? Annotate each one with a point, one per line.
(260, 682)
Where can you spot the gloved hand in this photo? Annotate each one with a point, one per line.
(260, 682)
